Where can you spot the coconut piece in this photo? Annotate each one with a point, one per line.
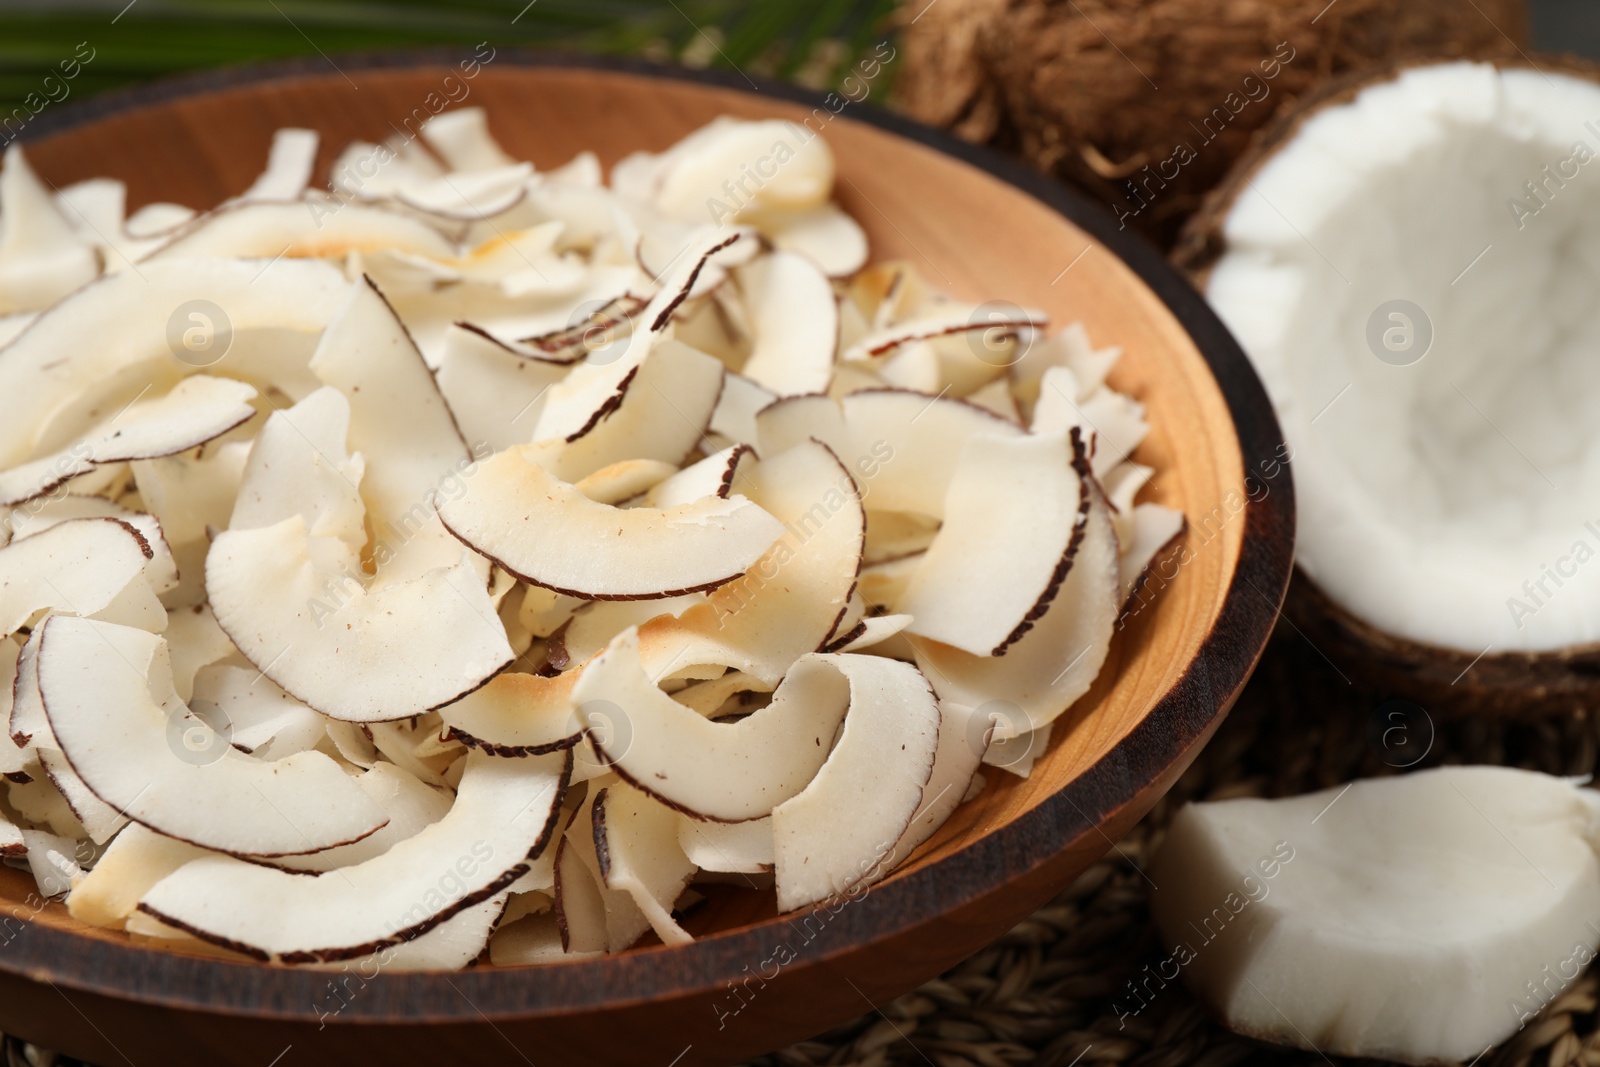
(903, 446)
(302, 229)
(871, 631)
(353, 744)
(289, 164)
(543, 612)
(791, 600)
(723, 771)
(162, 568)
(134, 862)
(194, 640)
(946, 320)
(450, 946)
(529, 941)
(1155, 528)
(727, 847)
(716, 475)
(997, 397)
(883, 584)
(1122, 484)
(593, 390)
(710, 696)
(100, 346)
(81, 566)
(191, 493)
(965, 742)
(594, 627)
(1014, 511)
(298, 466)
(462, 139)
(636, 843)
(834, 835)
(516, 715)
(1054, 663)
(795, 321)
(100, 820)
(197, 410)
(261, 719)
(583, 548)
(609, 326)
(1019, 752)
(662, 417)
(504, 813)
(401, 424)
(410, 806)
(624, 480)
(465, 197)
(493, 389)
(824, 234)
(1420, 918)
(116, 719)
(12, 845)
(28, 724)
(737, 408)
(41, 258)
(581, 914)
(894, 535)
(53, 861)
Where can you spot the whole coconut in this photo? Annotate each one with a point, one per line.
(1147, 103)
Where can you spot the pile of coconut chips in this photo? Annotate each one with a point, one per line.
(466, 556)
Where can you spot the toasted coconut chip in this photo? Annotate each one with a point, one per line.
(795, 321)
(625, 921)
(789, 602)
(548, 533)
(450, 946)
(14, 757)
(95, 210)
(504, 813)
(695, 170)
(351, 741)
(194, 640)
(1055, 662)
(261, 719)
(302, 229)
(100, 820)
(896, 534)
(663, 416)
(636, 843)
(854, 611)
(401, 424)
(711, 696)
(516, 715)
(889, 293)
(52, 860)
(289, 164)
(945, 320)
(1155, 528)
(140, 750)
(157, 220)
(741, 401)
(589, 917)
(81, 566)
(595, 626)
(463, 141)
(133, 863)
(543, 611)
(593, 390)
(915, 366)
(28, 724)
(494, 391)
(1018, 753)
(624, 480)
(161, 570)
(870, 631)
(469, 197)
(663, 243)
(299, 467)
(904, 446)
(718, 474)
(529, 941)
(192, 493)
(832, 835)
(195, 411)
(606, 327)
(723, 771)
(12, 845)
(41, 258)
(963, 746)
(410, 806)
(727, 847)
(824, 234)
(1015, 509)
(105, 342)
(398, 742)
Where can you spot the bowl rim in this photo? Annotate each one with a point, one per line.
(1166, 737)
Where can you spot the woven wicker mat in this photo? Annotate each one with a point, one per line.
(1041, 996)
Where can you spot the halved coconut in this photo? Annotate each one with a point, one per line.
(795, 322)
(107, 691)
(723, 771)
(548, 533)
(1430, 388)
(1420, 918)
(1014, 512)
(82, 566)
(1055, 662)
(504, 813)
(838, 832)
(41, 258)
(636, 843)
(195, 411)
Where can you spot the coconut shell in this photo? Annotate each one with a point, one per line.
(1443, 680)
(1146, 103)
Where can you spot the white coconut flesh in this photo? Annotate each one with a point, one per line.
(108, 694)
(1444, 500)
(548, 533)
(833, 834)
(723, 771)
(1422, 917)
(503, 814)
(503, 527)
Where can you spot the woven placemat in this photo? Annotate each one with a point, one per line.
(1042, 995)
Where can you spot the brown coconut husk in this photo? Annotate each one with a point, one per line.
(1146, 103)
(1444, 680)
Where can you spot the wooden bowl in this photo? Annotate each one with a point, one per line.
(979, 226)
